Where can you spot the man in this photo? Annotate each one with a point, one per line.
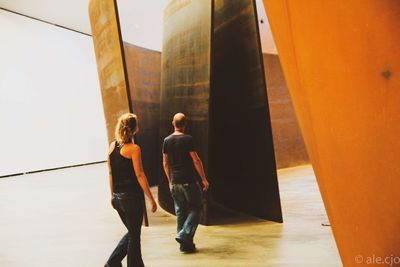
(180, 161)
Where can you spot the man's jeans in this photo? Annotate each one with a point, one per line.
(130, 208)
(187, 202)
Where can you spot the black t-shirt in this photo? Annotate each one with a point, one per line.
(177, 147)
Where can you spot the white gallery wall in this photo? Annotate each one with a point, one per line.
(50, 104)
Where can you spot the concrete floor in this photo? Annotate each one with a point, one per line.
(63, 218)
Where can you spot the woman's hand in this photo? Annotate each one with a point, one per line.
(153, 206)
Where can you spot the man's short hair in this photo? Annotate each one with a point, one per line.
(179, 120)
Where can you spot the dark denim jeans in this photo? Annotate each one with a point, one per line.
(187, 202)
(130, 208)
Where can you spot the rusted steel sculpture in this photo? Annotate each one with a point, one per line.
(144, 74)
(110, 62)
(289, 146)
(130, 82)
(212, 70)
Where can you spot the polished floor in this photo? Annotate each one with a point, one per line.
(63, 218)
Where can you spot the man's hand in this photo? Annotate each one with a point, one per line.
(205, 184)
(153, 206)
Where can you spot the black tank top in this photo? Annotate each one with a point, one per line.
(123, 173)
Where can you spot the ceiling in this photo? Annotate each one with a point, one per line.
(142, 18)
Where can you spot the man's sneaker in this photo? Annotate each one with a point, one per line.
(188, 248)
(180, 240)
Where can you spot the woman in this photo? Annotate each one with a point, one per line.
(127, 184)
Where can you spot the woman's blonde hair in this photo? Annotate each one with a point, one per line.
(126, 128)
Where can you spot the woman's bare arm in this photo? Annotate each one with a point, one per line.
(142, 179)
(111, 149)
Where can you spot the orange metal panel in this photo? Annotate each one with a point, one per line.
(341, 61)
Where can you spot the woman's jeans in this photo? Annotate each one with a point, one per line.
(187, 202)
(130, 208)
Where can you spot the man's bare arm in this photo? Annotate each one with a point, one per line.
(166, 168)
(198, 164)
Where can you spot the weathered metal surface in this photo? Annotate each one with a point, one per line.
(144, 73)
(242, 161)
(130, 82)
(185, 76)
(341, 62)
(289, 145)
(110, 64)
(223, 94)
